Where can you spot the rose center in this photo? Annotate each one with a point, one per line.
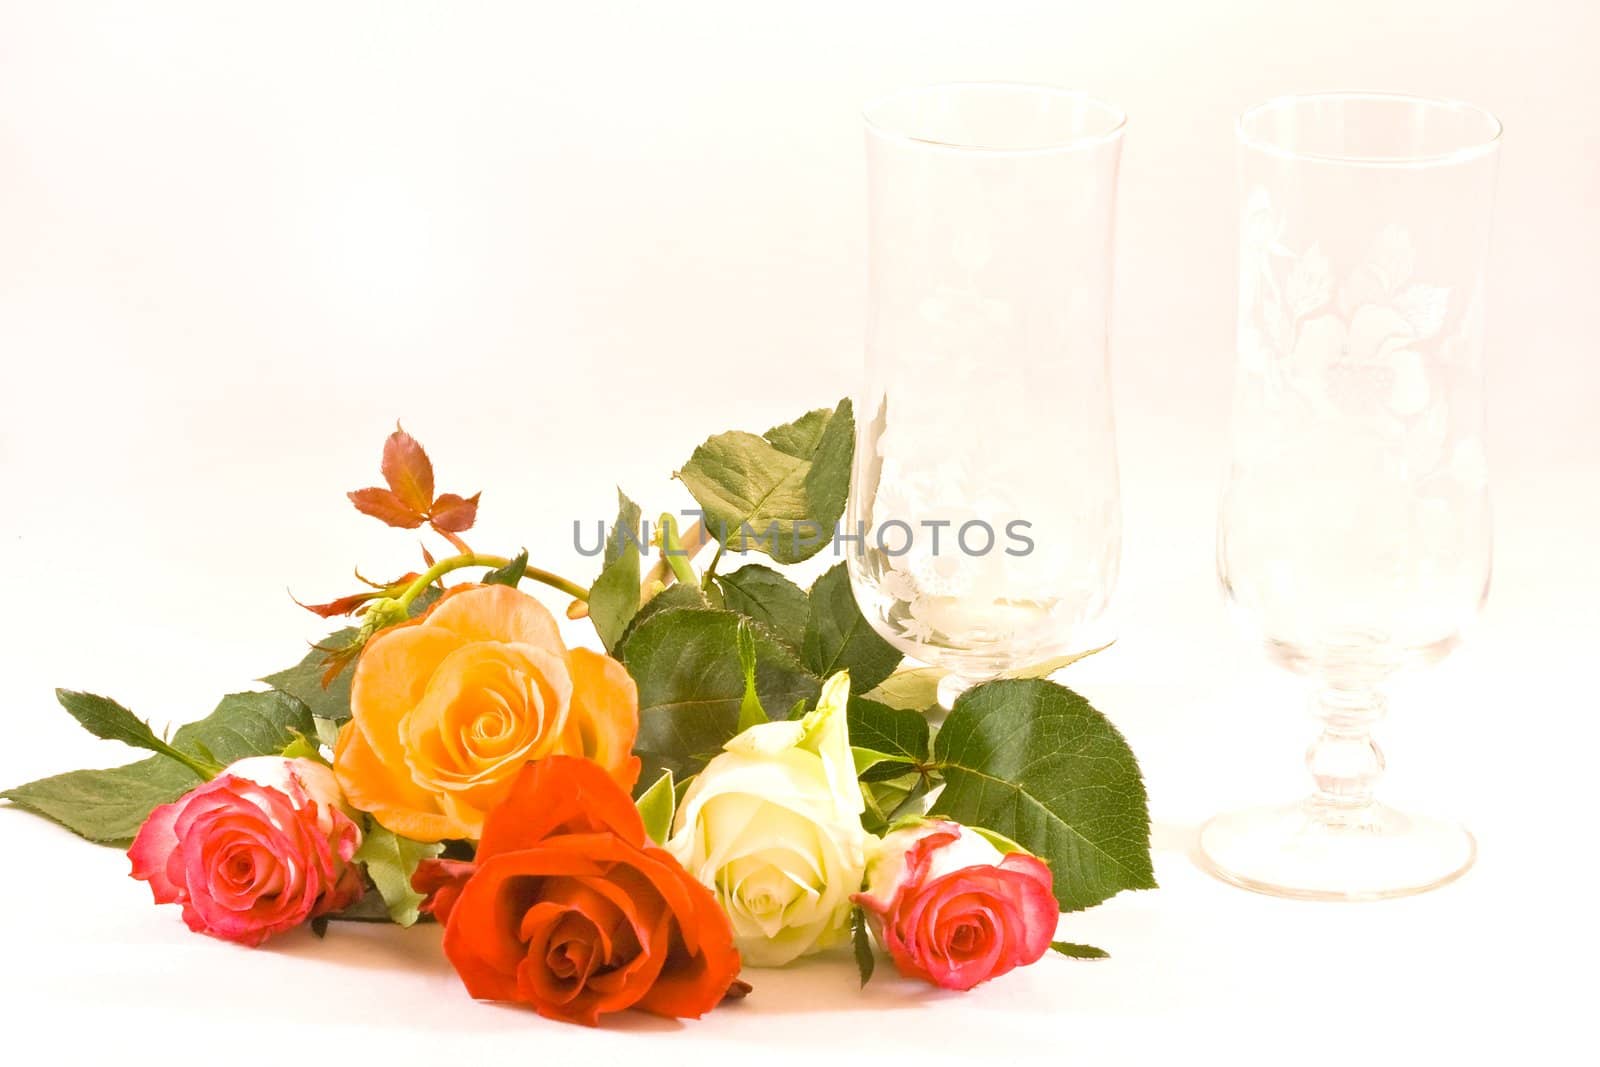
(487, 706)
(768, 888)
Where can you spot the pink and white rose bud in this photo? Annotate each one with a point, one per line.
(952, 909)
(256, 851)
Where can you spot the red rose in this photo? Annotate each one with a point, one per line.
(951, 910)
(256, 851)
(570, 909)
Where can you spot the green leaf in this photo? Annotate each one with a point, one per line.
(108, 806)
(511, 574)
(107, 719)
(770, 599)
(865, 759)
(802, 436)
(675, 597)
(1080, 952)
(1032, 760)
(691, 685)
(782, 493)
(304, 680)
(901, 736)
(614, 597)
(1045, 668)
(247, 724)
(657, 805)
(866, 961)
(390, 861)
(751, 713)
(918, 687)
(327, 731)
(839, 638)
(370, 908)
(915, 689)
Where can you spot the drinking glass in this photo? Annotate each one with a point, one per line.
(1355, 530)
(985, 519)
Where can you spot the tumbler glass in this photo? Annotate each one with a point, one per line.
(1355, 535)
(985, 519)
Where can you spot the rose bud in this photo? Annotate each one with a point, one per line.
(951, 909)
(256, 851)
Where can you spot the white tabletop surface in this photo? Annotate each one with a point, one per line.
(565, 244)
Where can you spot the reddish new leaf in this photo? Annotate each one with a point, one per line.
(385, 506)
(343, 606)
(408, 471)
(453, 514)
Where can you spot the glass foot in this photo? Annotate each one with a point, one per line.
(952, 686)
(1297, 851)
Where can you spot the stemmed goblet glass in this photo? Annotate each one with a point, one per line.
(984, 528)
(1355, 531)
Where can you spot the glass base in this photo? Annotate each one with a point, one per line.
(1298, 851)
(952, 686)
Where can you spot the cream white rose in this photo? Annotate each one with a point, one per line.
(773, 827)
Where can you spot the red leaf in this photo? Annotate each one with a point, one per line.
(343, 606)
(335, 664)
(453, 514)
(385, 506)
(408, 471)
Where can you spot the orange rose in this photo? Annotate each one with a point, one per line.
(570, 908)
(447, 708)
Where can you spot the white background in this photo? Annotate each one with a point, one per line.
(566, 242)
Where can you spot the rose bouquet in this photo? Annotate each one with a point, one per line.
(741, 775)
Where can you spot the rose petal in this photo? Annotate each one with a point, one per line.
(560, 794)
(152, 846)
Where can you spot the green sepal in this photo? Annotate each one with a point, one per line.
(511, 574)
(657, 806)
(390, 861)
(1079, 952)
(861, 941)
(751, 713)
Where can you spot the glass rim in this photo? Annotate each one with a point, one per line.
(1117, 117)
(1474, 150)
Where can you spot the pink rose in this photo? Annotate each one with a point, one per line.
(256, 851)
(952, 910)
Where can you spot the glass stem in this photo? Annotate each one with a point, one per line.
(951, 686)
(1344, 761)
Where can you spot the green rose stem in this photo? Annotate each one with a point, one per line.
(480, 559)
(674, 553)
(684, 548)
(711, 568)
